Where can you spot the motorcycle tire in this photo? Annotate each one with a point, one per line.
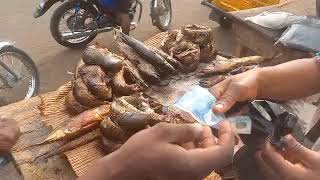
(156, 21)
(30, 65)
(55, 20)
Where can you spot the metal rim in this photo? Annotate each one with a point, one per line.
(12, 90)
(75, 13)
(164, 12)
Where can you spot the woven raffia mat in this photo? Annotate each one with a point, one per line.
(52, 106)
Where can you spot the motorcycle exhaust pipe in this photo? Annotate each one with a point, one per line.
(74, 35)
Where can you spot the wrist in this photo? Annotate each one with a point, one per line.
(261, 74)
(120, 167)
(115, 166)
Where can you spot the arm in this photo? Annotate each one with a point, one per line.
(111, 167)
(291, 80)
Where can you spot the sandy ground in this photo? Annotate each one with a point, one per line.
(53, 60)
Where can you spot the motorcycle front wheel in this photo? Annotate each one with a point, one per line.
(161, 14)
(24, 83)
(71, 18)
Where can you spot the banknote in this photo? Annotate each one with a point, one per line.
(198, 102)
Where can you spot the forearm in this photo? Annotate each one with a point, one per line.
(111, 167)
(291, 80)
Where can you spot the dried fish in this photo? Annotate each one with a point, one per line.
(82, 123)
(112, 131)
(242, 69)
(74, 106)
(109, 146)
(124, 83)
(67, 146)
(82, 94)
(93, 55)
(172, 39)
(135, 103)
(155, 59)
(188, 54)
(198, 34)
(226, 66)
(147, 70)
(98, 83)
(136, 121)
(211, 81)
(175, 63)
(208, 53)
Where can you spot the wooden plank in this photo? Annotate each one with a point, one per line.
(33, 129)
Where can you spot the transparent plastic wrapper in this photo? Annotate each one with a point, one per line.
(198, 102)
(305, 36)
(275, 20)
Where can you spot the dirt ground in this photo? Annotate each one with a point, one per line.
(54, 61)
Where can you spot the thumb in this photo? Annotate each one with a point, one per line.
(297, 151)
(226, 95)
(179, 133)
(226, 101)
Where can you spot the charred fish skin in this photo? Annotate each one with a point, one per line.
(74, 106)
(94, 56)
(121, 84)
(175, 63)
(198, 34)
(242, 69)
(154, 58)
(136, 121)
(112, 131)
(227, 66)
(211, 81)
(109, 146)
(88, 117)
(83, 95)
(147, 71)
(97, 81)
(208, 53)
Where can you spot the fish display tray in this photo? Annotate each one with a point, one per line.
(81, 158)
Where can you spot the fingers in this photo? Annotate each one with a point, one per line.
(207, 139)
(277, 162)
(215, 157)
(264, 168)
(226, 136)
(178, 133)
(297, 151)
(226, 96)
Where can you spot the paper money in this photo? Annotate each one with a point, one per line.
(198, 102)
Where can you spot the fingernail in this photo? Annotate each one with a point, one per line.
(219, 106)
(198, 127)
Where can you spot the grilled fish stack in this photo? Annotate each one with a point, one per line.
(99, 78)
(130, 114)
(190, 46)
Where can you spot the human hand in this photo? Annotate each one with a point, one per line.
(237, 88)
(296, 162)
(158, 153)
(9, 133)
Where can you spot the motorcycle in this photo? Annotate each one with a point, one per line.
(19, 77)
(82, 20)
